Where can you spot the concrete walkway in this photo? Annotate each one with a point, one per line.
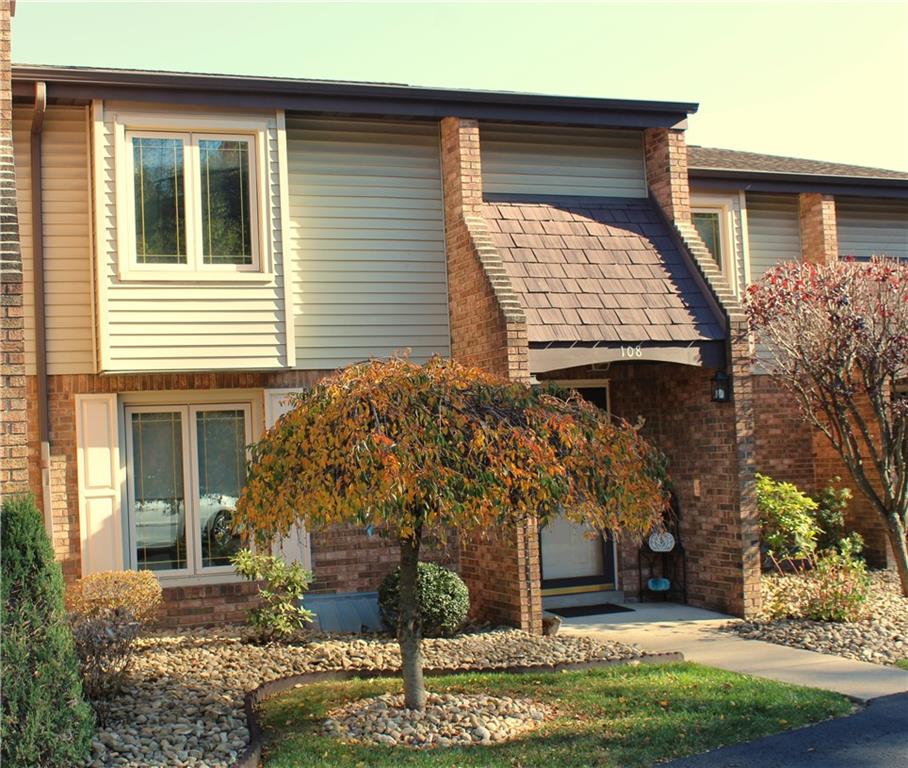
(663, 627)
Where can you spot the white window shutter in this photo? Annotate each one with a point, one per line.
(99, 473)
(295, 546)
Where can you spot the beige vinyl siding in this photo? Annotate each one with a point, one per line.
(190, 324)
(774, 231)
(67, 238)
(869, 227)
(774, 235)
(367, 241)
(577, 162)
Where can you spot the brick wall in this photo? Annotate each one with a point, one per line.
(488, 330)
(738, 532)
(13, 422)
(819, 237)
(698, 437)
(665, 151)
(784, 443)
(345, 559)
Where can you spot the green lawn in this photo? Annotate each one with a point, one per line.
(902, 663)
(621, 716)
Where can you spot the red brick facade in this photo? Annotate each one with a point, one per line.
(819, 238)
(731, 525)
(13, 422)
(488, 329)
(675, 402)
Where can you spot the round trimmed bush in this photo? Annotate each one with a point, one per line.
(444, 600)
(45, 720)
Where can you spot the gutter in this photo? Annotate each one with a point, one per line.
(37, 186)
(775, 181)
(337, 97)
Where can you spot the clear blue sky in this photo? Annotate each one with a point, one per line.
(821, 80)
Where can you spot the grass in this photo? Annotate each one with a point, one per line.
(619, 716)
(902, 663)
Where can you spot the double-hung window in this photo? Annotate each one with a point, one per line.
(193, 202)
(186, 466)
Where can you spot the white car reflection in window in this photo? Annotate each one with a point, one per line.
(161, 531)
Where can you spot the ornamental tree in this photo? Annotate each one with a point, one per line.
(410, 449)
(838, 337)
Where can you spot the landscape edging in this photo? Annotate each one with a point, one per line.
(252, 755)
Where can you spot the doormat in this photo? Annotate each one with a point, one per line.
(589, 610)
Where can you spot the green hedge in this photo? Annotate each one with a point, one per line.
(45, 720)
(444, 600)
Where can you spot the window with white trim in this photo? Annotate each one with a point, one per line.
(186, 466)
(193, 200)
(710, 225)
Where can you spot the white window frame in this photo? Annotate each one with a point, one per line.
(192, 128)
(194, 570)
(192, 203)
(728, 256)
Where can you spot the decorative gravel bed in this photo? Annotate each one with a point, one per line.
(449, 720)
(881, 639)
(183, 702)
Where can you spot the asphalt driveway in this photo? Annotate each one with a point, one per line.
(875, 737)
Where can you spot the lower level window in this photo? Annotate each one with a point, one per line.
(186, 467)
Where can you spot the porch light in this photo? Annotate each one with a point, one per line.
(721, 387)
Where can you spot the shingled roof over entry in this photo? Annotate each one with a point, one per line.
(600, 270)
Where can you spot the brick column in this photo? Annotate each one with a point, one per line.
(666, 176)
(819, 238)
(666, 171)
(13, 432)
(488, 330)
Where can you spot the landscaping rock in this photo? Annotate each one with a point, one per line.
(183, 699)
(881, 639)
(448, 720)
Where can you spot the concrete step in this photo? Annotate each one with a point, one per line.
(583, 598)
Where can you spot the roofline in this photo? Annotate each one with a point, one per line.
(775, 181)
(86, 83)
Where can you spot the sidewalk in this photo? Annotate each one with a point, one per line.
(663, 627)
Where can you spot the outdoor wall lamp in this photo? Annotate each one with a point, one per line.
(721, 387)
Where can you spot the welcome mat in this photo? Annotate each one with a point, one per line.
(589, 610)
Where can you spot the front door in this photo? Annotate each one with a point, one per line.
(575, 558)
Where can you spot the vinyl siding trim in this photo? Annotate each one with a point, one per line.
(872, 227)
(536, 160)
(367, 240)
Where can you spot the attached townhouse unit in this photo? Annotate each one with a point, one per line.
(196, 247)
(754, 211)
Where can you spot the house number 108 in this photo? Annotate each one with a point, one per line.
(631, 351)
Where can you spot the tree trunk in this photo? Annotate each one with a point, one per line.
(897, 539)
(409, 627)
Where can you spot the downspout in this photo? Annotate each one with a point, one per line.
(38, 283)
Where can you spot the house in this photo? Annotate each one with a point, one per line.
(756, 210)
(196, 247)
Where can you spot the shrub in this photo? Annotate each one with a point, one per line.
(787, 521)
(45, 720)
(281, 613)
(104, 644)
(137, 593)
(838, 588)
(443, 599)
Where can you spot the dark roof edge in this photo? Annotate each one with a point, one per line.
(775, 181)
(324, 95)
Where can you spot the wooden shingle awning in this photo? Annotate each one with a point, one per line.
(602, 280)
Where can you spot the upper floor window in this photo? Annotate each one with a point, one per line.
(193, 201)
(708, 222)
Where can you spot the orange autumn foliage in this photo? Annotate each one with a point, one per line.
(402, 447)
